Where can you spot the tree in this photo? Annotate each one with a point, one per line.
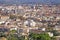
(12, 37)
(22, 38)
(13, 31)
(42, 36)
(13, 16)
(55, 32)
(53, 38)
(15, 37)
(2, 34)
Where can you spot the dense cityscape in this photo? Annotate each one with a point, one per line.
(30, 22)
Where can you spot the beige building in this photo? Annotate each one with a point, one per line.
(4, 18)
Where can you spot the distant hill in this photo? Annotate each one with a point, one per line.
(29, 1)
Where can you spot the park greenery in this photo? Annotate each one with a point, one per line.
(32, 36)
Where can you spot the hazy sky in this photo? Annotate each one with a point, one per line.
(33, 1)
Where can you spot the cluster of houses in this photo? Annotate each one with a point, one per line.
(30, 18)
